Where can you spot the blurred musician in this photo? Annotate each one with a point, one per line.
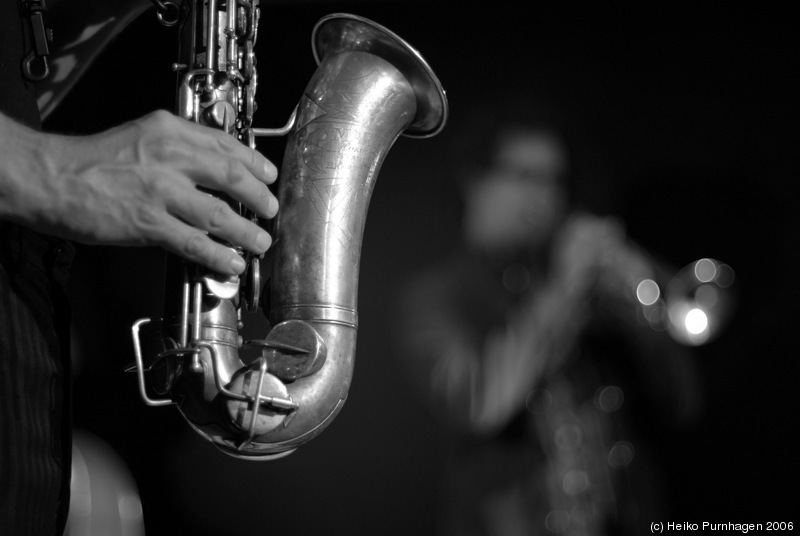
(526, 342)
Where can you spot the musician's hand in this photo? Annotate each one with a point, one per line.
(579, 248)
(591, 250)
(137, 184)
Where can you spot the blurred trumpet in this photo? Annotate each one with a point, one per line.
(693, 304)
(696, 304)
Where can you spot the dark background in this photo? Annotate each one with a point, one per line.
(686, 122)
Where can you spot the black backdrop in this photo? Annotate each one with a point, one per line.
(687, 118)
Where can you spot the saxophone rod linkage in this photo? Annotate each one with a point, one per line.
(140, 367)
(275, 132)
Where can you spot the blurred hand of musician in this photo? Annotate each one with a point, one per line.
(594, 252)
(139, 185)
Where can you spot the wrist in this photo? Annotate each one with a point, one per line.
(27, 176)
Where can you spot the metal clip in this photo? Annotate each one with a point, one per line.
(167, 12)
(41, 37)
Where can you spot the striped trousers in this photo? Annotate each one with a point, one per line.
(35, 412)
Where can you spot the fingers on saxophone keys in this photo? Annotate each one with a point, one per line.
(217, 142)
(233, 177)
(217, 160)
(197, 247)
(194, 245)
(210, 214)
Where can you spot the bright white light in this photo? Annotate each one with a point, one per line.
(696, 321)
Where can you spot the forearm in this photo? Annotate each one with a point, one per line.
(512, 367)
(518, 357)
(481, 382)
(24, 174)
(44, 184)
(480, 387)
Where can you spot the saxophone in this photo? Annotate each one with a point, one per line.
(370, 87)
